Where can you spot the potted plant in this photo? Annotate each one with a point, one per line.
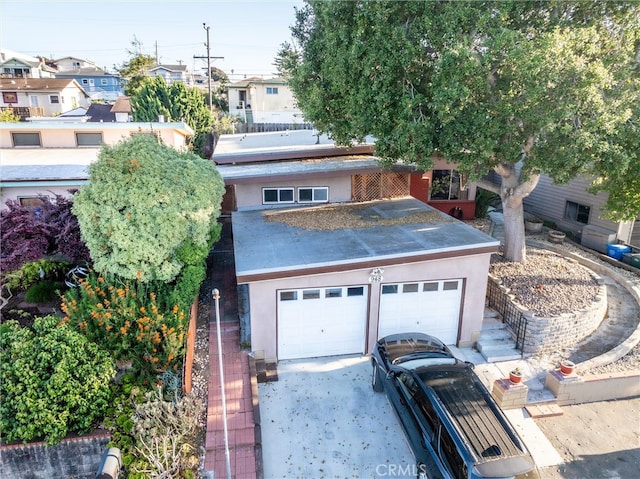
(515, 376)
(567, 367)
(556, 236)
(533, 224)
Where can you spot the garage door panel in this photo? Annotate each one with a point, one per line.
(321, 321)
(430, 307)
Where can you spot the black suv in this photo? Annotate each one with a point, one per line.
(454, 426)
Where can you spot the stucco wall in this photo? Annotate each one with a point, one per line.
(473, 269)
(249, 196)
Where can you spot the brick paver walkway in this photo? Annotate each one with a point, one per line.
(240, 417)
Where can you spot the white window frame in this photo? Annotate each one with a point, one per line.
(103, 81)
(272, 90)
(56, 98)
(279, 200)
(314, 189)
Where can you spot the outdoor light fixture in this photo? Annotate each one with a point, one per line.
(376, 275)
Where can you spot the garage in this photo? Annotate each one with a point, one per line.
(322, 321)
(431, 307)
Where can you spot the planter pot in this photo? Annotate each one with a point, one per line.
(515, 378)
(567, 367)
(533, 226)
(556, 236)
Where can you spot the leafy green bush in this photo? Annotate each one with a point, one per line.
(145, 206)
(53, 381)
(32, 272)
(44, 291)
(130, 320)
(484, 200)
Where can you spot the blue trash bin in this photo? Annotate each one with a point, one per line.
(617, 250)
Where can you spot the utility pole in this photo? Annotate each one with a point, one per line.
(208, 57)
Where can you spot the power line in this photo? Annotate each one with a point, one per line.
(208, 57)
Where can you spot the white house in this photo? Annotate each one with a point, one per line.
(258, 100)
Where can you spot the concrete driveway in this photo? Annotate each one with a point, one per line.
(321, 419)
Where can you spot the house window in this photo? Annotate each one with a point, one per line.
(450, 286)
(26, 139)
(54, 99)
(10, 97)
(103, 81)
(32, 202)
(311, 294)
(288, 296)
(577, 212)
(390, 289)
(88, 139)
(429, 287)
(410, 288)
(272, 90)
(333, 293)
(272, 196)
(85, 81)
(355, 291)
(313, 194)
(446, 185)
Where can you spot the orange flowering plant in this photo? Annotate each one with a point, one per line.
(129, 319)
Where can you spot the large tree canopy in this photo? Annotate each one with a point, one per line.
(176, 102)
(147, 208)
(520, 88)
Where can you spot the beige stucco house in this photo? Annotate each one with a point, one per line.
(333, 251)
(259, 100)
(49, 158)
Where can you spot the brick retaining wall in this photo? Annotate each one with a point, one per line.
(77, 458)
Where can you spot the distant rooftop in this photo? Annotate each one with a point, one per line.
(281, 145)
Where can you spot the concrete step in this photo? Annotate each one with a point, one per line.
(495, 335)
(492, 323)
(496, 353)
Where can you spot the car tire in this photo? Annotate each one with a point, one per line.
(376, 382)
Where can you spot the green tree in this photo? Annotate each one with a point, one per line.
(149, 212)
(8, 116)
(175, 102)
(134, 71)
(515, 87)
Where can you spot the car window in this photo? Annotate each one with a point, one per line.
(423, 362)
(452, 456)
(409, 382)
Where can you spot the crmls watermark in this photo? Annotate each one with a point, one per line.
(401, 470)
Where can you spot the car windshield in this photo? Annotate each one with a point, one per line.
(416, 361)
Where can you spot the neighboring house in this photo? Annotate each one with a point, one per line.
(32, 97)
(172, 74)
(99, 84)
(17, 65)
(318, 292)
(572, 208)
(49, 158)
(119, 111)
(258, 100)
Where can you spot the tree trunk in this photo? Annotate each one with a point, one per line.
(512, 191)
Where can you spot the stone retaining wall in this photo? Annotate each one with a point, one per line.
(77, 458)
(548, 335)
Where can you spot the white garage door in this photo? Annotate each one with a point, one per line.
(321, 321)
(431, 307)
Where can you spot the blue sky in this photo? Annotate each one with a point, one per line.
(247, 34)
